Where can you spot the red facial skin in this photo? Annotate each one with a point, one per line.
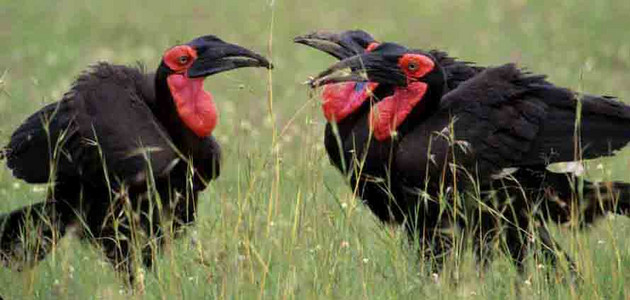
(194, 105)
(388, 114)
(371, 46)
(341, 99)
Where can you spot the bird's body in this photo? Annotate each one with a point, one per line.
(379, 187)
(445, 132)
(503, 118)
(121, 158)
(364, 160)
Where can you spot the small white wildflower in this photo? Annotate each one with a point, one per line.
(222, 138)
(601, 242)
(246, 125)
(39, 189)
(344, 205)
(600, 167)
(527, 282)
(366, 260)
(435, 277)
(589, 64)
(268, 122)
(540, 266)
(287, 138)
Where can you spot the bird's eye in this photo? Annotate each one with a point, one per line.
(183, 59)
(415, 65)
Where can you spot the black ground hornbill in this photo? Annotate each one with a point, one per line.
(346, 106)
(489, 120)
(123, 150)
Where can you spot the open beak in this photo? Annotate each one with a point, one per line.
(331, 43)
(215, 56)
(371, 67)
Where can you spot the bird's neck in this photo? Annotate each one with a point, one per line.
(194, 105)
(423, 109)
(184, 108)
(166, 113)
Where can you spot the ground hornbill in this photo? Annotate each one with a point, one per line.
(346, 106)
(123, 150)
(489, 120)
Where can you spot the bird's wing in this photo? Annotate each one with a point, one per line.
(114, 120)
(511, 118)
(45, 139)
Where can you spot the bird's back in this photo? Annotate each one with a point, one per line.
(51, 137)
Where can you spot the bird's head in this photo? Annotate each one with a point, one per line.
(184, 68)
(417, 78)
(340, 45)
(341, 99)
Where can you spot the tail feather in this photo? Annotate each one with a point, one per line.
(602, 125)
(565, 198)
(29, 233)
(605, 125)
(606, 197)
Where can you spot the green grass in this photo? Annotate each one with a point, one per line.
(283, 224)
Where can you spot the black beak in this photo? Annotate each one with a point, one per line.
(215, 56)
(372, 67)
(331, 43)
(380, 66)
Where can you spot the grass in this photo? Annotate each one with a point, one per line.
(280, 222)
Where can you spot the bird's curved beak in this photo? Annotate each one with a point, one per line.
(360, 68)
(379, 65)
(329, 42)
(215, 56)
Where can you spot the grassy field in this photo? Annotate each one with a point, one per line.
(283, 224)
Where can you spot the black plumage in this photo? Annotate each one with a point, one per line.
(119, 158)
(472, 124)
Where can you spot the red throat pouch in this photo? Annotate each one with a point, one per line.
(341, 99)
(388, 114)
(194, 105)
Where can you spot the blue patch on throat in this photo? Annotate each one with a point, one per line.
(359, 86)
